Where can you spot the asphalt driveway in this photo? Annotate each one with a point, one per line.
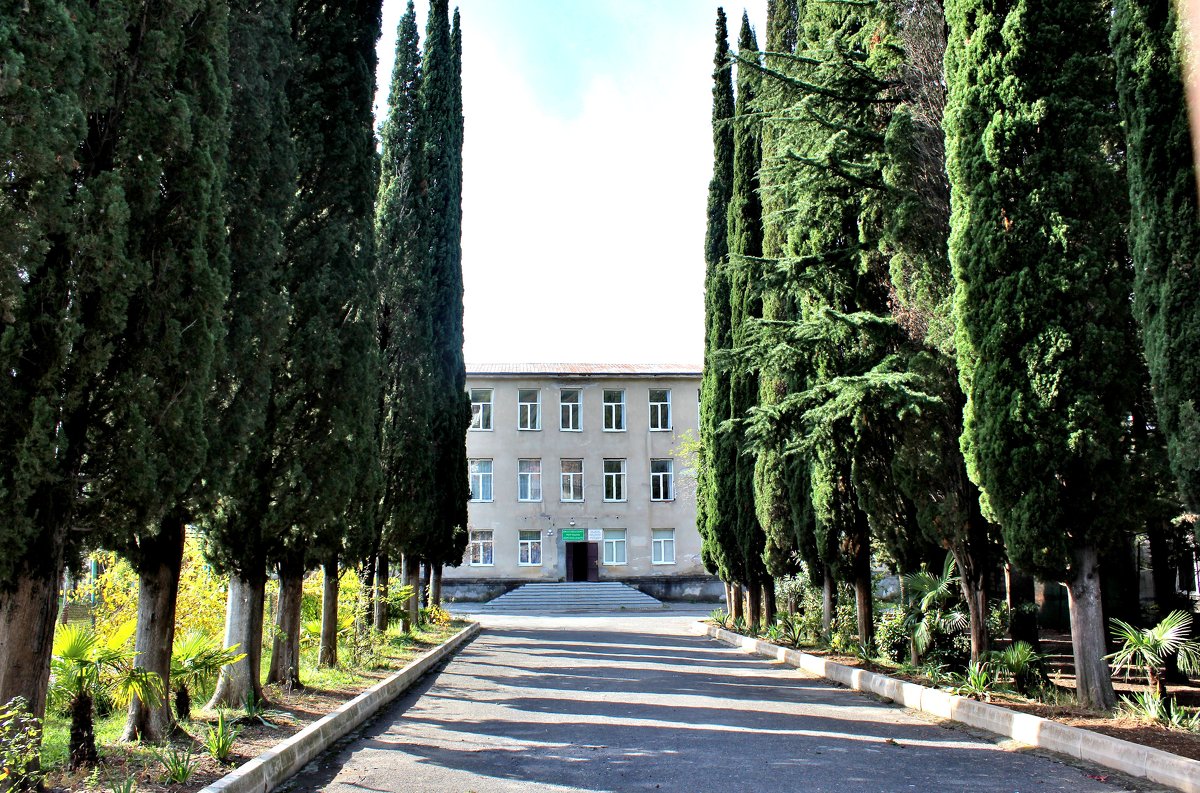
(642, 702)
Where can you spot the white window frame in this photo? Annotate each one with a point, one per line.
(613, 544)
(482, 549)
(529, 481)
(571, 411)
(482, 411)
(662, 482)
(657, 409)
(660, 545)
(483, 476)
(617, 411)
(529, 547)
(570, 481)
(529, 414)
(619, 479)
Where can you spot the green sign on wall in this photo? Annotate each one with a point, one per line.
(574, 535)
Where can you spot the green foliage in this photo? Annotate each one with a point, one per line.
(1024, 665)
(1146, 649)
(83, 665)
(978, 681)
(178, 764)
(1152, 706)
(126, 785)
(892, 635)
(20, 739)
(718, 617)
(220, 737)
(196, 659)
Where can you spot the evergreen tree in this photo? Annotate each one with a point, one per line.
(715, 511)
(1164, 232)
(1042, 297)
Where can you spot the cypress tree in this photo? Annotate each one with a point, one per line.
(1043, 344)
(405, 334)
(1164, 232)
(260, 189)
(714, 511)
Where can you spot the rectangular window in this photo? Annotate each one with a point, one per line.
(614, 546)
(529, 552)
(529, 480)
(481, 408)
(614, 410)
(529, 409)
(481, 549)
(481, 479)
(663, 546)
(660, 409)
(572, 480)
(569, 403)
(614, 480)
(662, 475)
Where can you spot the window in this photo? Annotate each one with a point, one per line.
(614, 411)
(572, 480)
(481, 479)
(662, 474)
(569, 400)
(481, 549)
(660, 409)
(529, 409)
(481, 408)
(529, 480)
(614, 480)
(662, 546)
(529, 553)
(614, 546)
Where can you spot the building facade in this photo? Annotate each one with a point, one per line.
(582, 472)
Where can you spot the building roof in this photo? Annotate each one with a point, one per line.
(578, 369)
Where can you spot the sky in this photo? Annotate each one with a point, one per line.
(587, 155)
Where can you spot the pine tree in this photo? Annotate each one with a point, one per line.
(1043, 342)
(1164, 232)
(715, 513)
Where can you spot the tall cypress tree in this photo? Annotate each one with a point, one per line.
(1164, 232)
(1043, 344)
(715, 512)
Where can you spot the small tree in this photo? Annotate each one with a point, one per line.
(1147, 648)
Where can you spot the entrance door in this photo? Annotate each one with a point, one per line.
(583, 561)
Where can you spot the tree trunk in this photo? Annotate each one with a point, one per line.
(27, 618)
(329, 613)
(972, 579)
(1093, 679)
(423, 589)
(413, 569)
(1023, 623)
(435, 585)
(737, 612)
(382, 579)
(864, 609)
(158, 591)
(728, 597)
(81, 744)
(753, 606)
(768, 599)
(828, 602)
(239, 682)
(368, 590)
(285, 648)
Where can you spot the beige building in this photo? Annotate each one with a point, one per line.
(579, 472)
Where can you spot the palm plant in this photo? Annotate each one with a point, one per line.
(930, 607)
(196, 659)
(1020, 661)
(1146, 649)
(84, 667)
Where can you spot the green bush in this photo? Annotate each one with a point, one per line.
(891, 635)
(20, 738)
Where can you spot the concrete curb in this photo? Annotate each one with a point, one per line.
(1130, 758)
(275, 765)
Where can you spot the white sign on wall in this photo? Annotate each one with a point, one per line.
(595, 535)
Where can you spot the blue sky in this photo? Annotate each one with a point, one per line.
(586, 164)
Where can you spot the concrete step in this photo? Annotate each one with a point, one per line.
(573, 597)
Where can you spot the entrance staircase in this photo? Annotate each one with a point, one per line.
(576, 597)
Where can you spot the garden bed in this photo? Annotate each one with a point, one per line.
(288, 713)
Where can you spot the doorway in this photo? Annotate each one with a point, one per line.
(583, 561)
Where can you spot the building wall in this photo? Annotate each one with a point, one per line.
(505, 445)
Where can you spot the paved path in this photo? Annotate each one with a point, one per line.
(638, 702)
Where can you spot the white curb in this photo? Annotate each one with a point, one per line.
(275, 765)
(1156, 765)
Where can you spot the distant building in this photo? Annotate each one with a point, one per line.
(579, 472)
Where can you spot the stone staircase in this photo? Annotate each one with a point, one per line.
(572, 598)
